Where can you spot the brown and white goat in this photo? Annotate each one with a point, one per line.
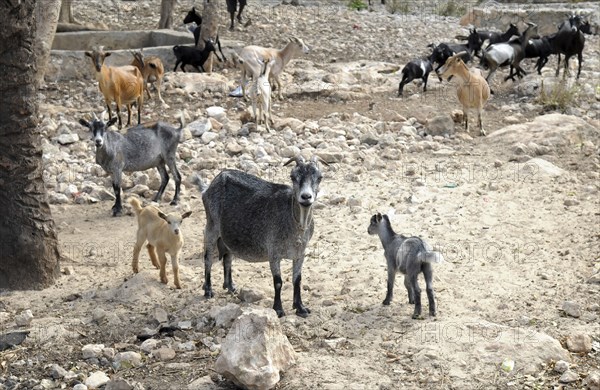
(260, 93)
(119, 84)
(472, 89)
(152, 71)
(163, 235)
(250, 58)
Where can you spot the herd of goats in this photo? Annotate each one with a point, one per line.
(258, 220)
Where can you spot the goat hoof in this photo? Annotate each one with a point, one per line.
(116, 212)
(302, 313)
(174, 202)
(411, 301)
(416, 316)
(136, 270)
(208, 294)
(280, 312)
(387, 302)
(164, 281)
(432, 313)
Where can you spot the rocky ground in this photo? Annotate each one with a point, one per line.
(516, 215)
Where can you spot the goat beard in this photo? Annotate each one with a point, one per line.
(305, 216)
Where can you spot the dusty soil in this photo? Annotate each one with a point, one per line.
(516, 247)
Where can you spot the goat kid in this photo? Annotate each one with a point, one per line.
(139, 149)
(473, 90)
(258, 221)
(416, 69)
(409, 256)
(187, 55)
(121, 84)
(260, 93)
(152, 71)
(164, 236)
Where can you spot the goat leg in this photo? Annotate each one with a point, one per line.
(428, 274)
(277, 283)
(129, 114)
(177, 176)
(411, 297)
(176, 65)
(221, 50)
(208, 292)
(152, 254)
(390, 284)
(227, 278)
(579, 60)
(557, 66)
(164, 180)
(175, 265)
(117, 208)
(301, 310)
(162, 257)
(417, 291)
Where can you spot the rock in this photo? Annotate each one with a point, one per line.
(98, 314)
(255, 351)
(80, 386)
(124, 360)
(104, 194)
(204, 383)
(440, 125)
(369, 139)
(96, 379)
(233, 148)
(215, 112)
(24, 319)
(579, 343)
(118, 384)
(569, 377)
(66, 139)
(225, 315)
(187, 346)
(149, 345)
(572, 309)
(209, 136)
(250, 296)
(92, 351)
(199, 127)
(561, 366)
(592, 382)
(159, 316)
(536, 167)
(109, 353)
(57, 372)
(139, 189)
(164, 354)
(57, 198)
(184, 325)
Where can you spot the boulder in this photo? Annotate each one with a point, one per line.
(255, 351)
(440, 125)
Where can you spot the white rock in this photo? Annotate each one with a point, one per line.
(215, 112)
(536, 167)
(96, 379)
(579, 342)
(66, 139)
(71, 190)
(255, 351)
(561, 366)
(572, 309)
(118, 384)
(568, 377)
(92, 351)
(209, 136)
(80, 386)
(225, 315)
(149, 345)
(24, 319)
(199, 127)
(127, 360)
(56, 198)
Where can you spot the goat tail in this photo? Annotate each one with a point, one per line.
(431, 257)
(181, 118)
(197, 180)
(137, 206)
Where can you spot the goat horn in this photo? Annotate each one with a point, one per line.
(316, 159)
(95, 116)
(102, 115)
(297, 159)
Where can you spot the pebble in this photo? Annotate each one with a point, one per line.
(80, 386)
(561, 366)
(569, 377)
(579, 343)
(572, 309)
(164, 353)
(24, 318)
(128, 359)
(92, 351)
(96, 380)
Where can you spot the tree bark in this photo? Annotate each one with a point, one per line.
(29, 255)
(66, 14)
(47, 12)
(166, 13)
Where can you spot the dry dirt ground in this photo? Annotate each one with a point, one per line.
(518, 243)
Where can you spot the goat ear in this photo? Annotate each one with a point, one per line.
(162, 215)
(378, 217)
(186, 214)
(107, 54)
(111, 122)
(85, 123)
(88, 54)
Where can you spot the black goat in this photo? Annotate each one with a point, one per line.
(476, 38)
(569, 40)
(443, 51)
(187, 55)
(416, 69)
(541, 49)
(232, 7)
(193, 17)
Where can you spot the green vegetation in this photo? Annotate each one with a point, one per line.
(357, 5)
(558, 98)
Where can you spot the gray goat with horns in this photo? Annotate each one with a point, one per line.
(257, 221)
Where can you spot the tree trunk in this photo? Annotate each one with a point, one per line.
(46, 27)
(66, 15)
(29, 256)
(166, 13)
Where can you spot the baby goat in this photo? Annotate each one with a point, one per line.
(260, 93)
(191, 56)
(409, 256)
(163, 235)
(121, 84)
(152, 71)
(416, 69)
(473, 90)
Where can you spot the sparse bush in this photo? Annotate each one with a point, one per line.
(452, 8)
(357, 5)
(558, 98)
(398, 6)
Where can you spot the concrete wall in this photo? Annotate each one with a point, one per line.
(120, 40)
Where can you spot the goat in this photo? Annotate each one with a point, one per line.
(260, 93)
(569, 40)
(152, 71)
(495, 37)
(163, 235)
(139, 149)
(443, 51)
(250, 56)
(187, 55)
(416, 69)
(261, 221)
(231, 8)
(209, 30)
(541, 49)
(409, 256)
(473, 90)
(508, 53)
(193, 17)
(122, 84)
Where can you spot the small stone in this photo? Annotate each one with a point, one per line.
(80, 386)
(579, 343)
(250, 296)
(24, 319)
(96, 379)
(185, 325)
(98, 314)
(68, 270)
(592, 381)
(572, 309)
(187, 346)
(225, 315)
(497, 164)
(569, 377)
(369, 139)
(149, 345)
(561, 366)
(118, 384)
(215, 112)
(109, 353)
(164, 354)
(57, 371)
(204, 383)
(127, 360)
(57, 198)
(66, 139)
(159, 315)
(199, 127)
(209, 136)
(92, 351)
(570, 202)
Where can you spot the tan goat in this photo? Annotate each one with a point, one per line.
(260, 93)
(152, 71)
(121, 84)
(472, 91)
(251, 56)
(163, 235)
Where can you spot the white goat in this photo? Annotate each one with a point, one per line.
(250, 58)
(473, 90)
(121, 84)
(163, 235)
(260, 93)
